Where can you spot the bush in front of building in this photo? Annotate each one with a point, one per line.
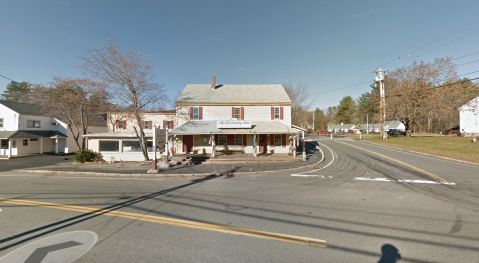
(85, 155)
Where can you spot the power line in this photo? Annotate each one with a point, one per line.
(465, 56)
(340, 88)
(7, 78)
(468, 63)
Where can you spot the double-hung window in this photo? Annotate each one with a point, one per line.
(196, 113)
(167, 125)
(120, 124)
(222, 139)
(147, 125)
(25, 142)
(276, 112)
(238, 139)
(238, 113)
(1, 122)
(277, 140)
(4, 144)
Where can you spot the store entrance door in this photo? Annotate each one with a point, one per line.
(263, 143)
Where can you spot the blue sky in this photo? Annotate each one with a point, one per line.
(325, 44)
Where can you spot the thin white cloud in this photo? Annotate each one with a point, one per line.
(239, 68)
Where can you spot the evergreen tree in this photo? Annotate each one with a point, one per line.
(17, 91)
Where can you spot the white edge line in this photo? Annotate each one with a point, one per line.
(332, 153)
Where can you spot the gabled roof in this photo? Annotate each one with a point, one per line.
(23, 108)
(471, 105)
(234, 94)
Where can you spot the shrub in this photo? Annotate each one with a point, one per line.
(85, 155)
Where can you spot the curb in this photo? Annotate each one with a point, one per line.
(174, 175)
(420, 153)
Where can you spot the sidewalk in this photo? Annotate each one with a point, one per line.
(313, 157)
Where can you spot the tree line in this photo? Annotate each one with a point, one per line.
(425, 97)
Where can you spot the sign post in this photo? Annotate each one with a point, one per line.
(159, 140)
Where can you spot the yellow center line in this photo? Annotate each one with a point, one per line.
(403, 163)
(175, 222)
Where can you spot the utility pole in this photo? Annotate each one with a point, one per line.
(313, 121)
(382, 104)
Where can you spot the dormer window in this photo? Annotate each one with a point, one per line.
(33, 124)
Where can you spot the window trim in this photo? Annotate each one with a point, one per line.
(197, 110)
(239, 138)
(33, 124)
(279, 113)
(238, 113)
(220, 139)
(277, 142)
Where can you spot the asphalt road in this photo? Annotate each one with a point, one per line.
(361, 199)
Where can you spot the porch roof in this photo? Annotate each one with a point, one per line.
(207, 127)
(30, 134)
(116, 134)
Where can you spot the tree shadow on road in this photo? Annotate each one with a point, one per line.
(87, 216)
(390, 254)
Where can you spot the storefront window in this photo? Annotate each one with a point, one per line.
(222, 139)
(109, 146)
(239, 139)
(131, 146)
(277, 140)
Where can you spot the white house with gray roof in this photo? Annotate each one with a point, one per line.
(25, 130)
(233, 114)
(469, 118)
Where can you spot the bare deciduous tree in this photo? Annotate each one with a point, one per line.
(300, 103)
(131, 81)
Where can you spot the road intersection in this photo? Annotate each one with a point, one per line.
(325, 215)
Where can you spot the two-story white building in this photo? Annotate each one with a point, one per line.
(233, 114)
(25, 130)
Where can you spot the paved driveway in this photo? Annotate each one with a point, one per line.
(34, 162)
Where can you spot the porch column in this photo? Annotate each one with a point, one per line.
(41, 145)
(56, 145)
(9, 152)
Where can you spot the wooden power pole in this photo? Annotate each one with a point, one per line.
(382, 104)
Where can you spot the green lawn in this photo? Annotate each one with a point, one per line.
(452, 147)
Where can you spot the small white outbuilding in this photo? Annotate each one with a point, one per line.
(469, 118)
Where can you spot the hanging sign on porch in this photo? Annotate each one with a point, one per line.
(242, 124)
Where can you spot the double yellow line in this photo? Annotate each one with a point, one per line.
(175, 222)
(403, 163)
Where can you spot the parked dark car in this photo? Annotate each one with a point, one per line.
(396, 132)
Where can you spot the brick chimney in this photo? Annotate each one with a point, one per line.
(213, 82)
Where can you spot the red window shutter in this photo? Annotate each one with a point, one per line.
(245, 140)
(117, 124)
(272, 113)
(283, 140)
(242, 113)
(164, 124)
(124, 124)
(271, 140)
(191, 113)
(200, 113)
(143, 124)
(171, 125)
(150, 125)
(232, 112)
(281, 113)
